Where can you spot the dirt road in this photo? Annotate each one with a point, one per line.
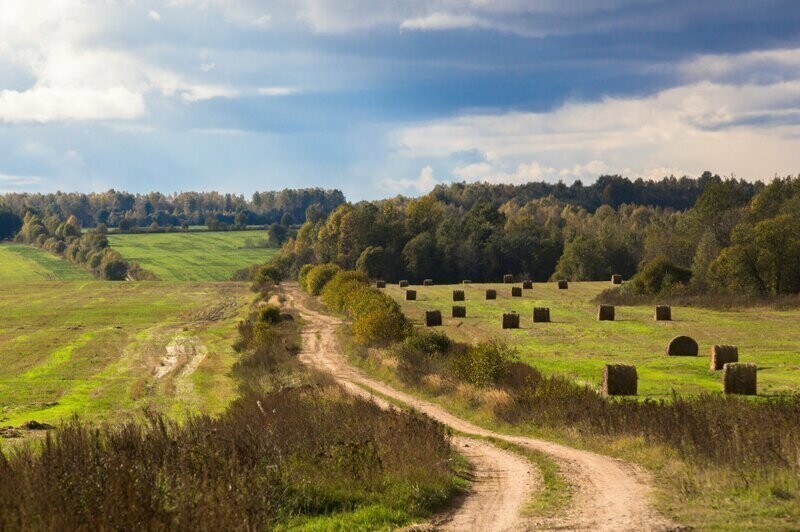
(608, 494)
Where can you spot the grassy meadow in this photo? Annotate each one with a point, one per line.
(106, 350)
(197, 256)
(23, 263)
(577, 345)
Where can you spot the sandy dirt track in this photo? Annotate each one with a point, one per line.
(608, 494)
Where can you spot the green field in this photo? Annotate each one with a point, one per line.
(106, 350)
(200, 256)
(21, 263)
(577, 345)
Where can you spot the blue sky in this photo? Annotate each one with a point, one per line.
(379, 98)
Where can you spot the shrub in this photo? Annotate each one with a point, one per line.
(483, 364)
(318, 277)
(270, 314)
(656, 277)
(303, 275)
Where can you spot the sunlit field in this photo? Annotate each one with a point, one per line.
(576, 344)
(199, 256)
(107, 350)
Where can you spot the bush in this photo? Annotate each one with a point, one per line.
(270, 314)
(483, 364)
(318, 277)
(658, 276)
(303, 275)
(268, 274)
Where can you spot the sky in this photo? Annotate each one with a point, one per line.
(378, 98)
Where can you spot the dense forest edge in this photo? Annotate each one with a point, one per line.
(701, 236)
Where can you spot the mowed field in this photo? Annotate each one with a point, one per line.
(21, 263)
(106, 350)
(577, 345)
(199, 256)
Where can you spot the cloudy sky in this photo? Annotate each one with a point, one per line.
(379, 97)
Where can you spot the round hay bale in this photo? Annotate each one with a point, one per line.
(620, 379)
(739, 378)
(682, 346)
(511, 321)
(723, 354)
(527, 285)
(508, 278)
(411, 295)
(433, 318)
(380, 284)
(516, 291)
(459, 311)
(616, 279)
(605, 313)
(663, 313)
(541, 314)
(563, 284)
(403, 284)
(458, 295)
(491, 293)
(427, 282)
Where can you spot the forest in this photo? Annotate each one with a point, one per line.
(690, 235)
(125, 210)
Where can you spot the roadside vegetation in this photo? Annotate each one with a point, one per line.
(740, 453)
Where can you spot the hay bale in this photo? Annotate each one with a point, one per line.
(541, 314)
(723, 354)
(403, 284)
(433, 318)
(459, 311)
(605, 313)
(619, 379)
(411, 295)
(380, 284)
(491, 294)
(616, 279)
(739, 378)
(427, 282)
(563, 284)
(508, 278)
(516, 291)
(466, 281)
(511, 321)
(663, 313)
(527, 285)
(458, 295)
(682, 346)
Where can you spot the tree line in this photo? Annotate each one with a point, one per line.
(88, 249)
(734, 236)
(125, 210)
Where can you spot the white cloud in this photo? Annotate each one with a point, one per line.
(750, 129)
(17, 183)
(77, 79)
(277, 91)
(424, 183)
(47, 104)
(442, 21)
(154, 15)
